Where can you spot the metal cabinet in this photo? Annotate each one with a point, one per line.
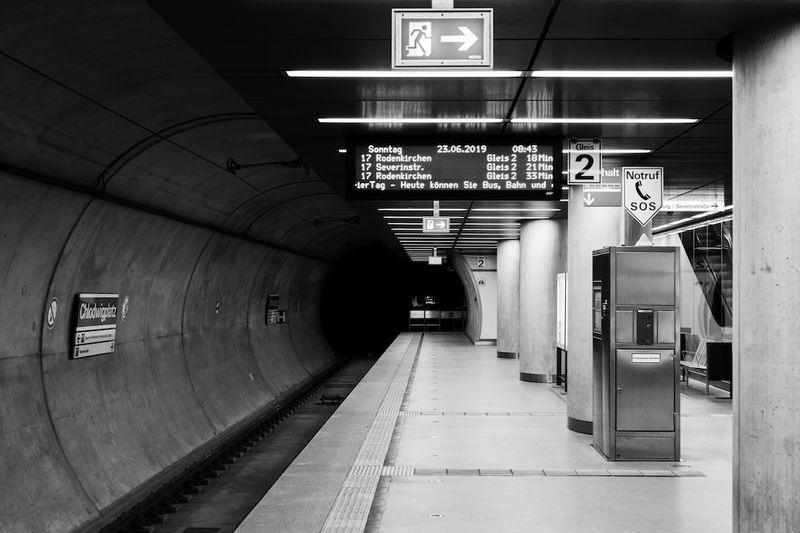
(635, 353)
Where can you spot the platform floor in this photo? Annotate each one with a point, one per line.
(442, 436)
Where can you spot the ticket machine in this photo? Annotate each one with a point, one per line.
(636, 359)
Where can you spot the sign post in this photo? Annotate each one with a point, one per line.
(441, 38)
(643, 192)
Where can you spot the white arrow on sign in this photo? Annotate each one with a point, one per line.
(589, 199)
(467, 38)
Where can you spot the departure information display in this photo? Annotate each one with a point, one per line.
(461, 167)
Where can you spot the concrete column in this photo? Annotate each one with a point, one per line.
(508, 299)
(766, 278)
(543, 254)
(590, 228)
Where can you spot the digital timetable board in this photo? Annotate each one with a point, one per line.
(508, 167)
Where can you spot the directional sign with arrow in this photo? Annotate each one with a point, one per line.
(442, 38)
(602, 197)
(435, 224)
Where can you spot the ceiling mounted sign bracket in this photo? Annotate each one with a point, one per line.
(442, 4)
(436, 208)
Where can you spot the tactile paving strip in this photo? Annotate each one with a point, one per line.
(475, 413)
(552, 472)
(351, 508)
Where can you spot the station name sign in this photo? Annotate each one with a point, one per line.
(95, 325)
(454, 167)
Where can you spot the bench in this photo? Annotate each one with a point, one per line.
(710, 361)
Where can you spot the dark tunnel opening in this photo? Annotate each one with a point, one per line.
(366, 300)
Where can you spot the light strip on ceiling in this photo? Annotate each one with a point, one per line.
(405, 73)
(486, 120)
(468, 223)
(508, 218)
(699, 225)
(433, 73)
(420, 209)
(631, 74)
(492, 230)
(693, 217)
(410, 217)
(409, 120)
(516, 209)
(603, 120)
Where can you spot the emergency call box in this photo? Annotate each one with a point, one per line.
(636, 363)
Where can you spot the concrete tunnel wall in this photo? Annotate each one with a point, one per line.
(113, 179)
(81, 436)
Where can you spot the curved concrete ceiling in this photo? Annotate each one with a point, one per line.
(107, 99)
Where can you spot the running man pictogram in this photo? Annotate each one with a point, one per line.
(419, 39)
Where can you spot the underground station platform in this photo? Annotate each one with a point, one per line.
(306, 266)
(441, 436)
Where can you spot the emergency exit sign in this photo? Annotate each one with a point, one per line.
(442, 38)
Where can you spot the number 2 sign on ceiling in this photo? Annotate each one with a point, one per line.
(584, 161)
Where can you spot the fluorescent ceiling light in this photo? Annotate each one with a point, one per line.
(695, 226)
(694, 217)
(510, 218)
(433, 73)
(409, 120)
(631, 74)
(342, 150)
(407, 217)
(515, 209)
(603, 120)
(491, 230)
(420, 209)
(489, 234)
(615, 151)
(471, 224)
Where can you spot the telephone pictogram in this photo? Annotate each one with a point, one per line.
(643, 196)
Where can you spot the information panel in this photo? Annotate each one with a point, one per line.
(95, 324)
(455, 167)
